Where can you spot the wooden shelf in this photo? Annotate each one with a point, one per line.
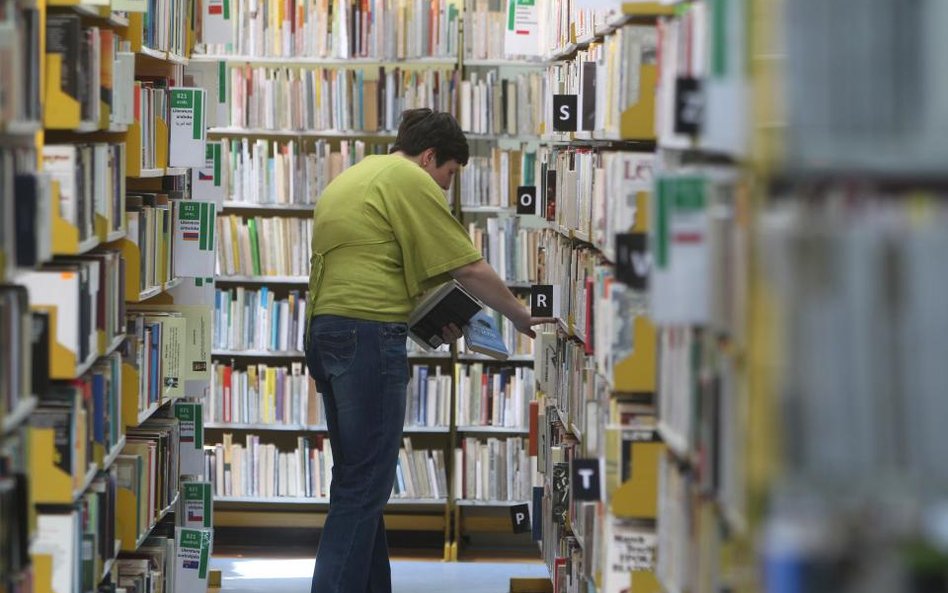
(308, 208)
(113, 454)
(301, 133)
(149, 174)
(304, 61)
(494, 430)
(164, 513)
(156, 290)
(465, 502)
(437, 355)
(500, 62)
(302, 280)
(108, 564)
(488, 209)
(22, 128)
(307, 428)
(176, 59)
(508, 137)
(144, 415)
(514, 359)
(257, 354)
(294, 500)
(86, 482)
(676, 445)
(86, 246)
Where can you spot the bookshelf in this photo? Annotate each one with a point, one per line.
(74, 266)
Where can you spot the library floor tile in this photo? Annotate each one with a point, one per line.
(249, 575)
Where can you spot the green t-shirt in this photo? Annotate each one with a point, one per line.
(382, 235)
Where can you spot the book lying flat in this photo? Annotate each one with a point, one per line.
(451, 303)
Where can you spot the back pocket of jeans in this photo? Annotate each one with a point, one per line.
(336, 350)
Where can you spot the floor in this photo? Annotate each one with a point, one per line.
(256, 575)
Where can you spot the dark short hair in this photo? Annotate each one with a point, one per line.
(421, 129)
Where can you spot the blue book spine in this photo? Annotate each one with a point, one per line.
(275, 329)
(218, 317)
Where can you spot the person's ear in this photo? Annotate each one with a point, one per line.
(428, 156)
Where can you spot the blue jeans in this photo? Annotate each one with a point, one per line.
(361, 368)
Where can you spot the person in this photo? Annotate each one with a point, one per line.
(382, 235)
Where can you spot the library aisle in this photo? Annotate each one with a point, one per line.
(732, 216)
(283, 575)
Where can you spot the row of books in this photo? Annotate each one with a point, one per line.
(86, 295)
(700, 62)
(20, 50)
(609, 317)
(156, 565)
(91, 185)
(569, 384)
(491, 104)
(256, 469)
(492, 180)
(606, 539)
(566, 22)
(420, 473)
(343, 99)
(293, 172)
(167, 26)
(485, 25)
(489, 396)
(610, 81)
(509, 248)
(261, 246)
(263, 394)
(96, 70)
(429, 397)
(494, 469)
(596, 193)
(262, 470)
(856, 270)
(380, 29)
(280, 395)
(152, 110)
(148, 471)
(83, 539)
(259, 320)
(85, 416)
(149, 219)
(79, 50)
(156, 348)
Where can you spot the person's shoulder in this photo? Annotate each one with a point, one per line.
(401, 173)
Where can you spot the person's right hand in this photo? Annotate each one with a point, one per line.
(525, 324)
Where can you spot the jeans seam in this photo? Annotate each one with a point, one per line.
(352, 533)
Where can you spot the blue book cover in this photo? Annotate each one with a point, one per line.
(482, 335)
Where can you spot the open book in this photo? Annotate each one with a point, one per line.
(450, 303)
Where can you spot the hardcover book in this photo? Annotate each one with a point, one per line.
(451, 303)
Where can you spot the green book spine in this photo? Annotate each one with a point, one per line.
(254, 245)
